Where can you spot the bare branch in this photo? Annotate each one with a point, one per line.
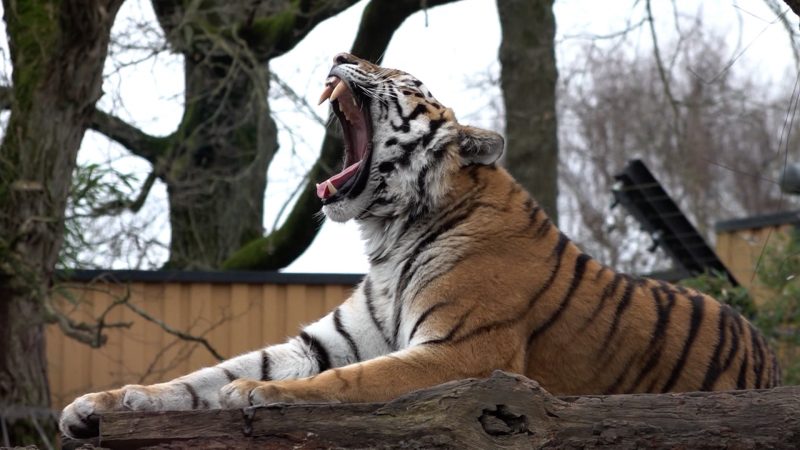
(665, 82)
(793, 35)
(185, 336)
(137, 141)
(117, 206)
(90, 334)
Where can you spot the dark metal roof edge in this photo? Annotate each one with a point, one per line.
(761, 221)
(197, 276)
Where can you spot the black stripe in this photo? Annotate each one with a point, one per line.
(318, 350)
(337, 323)
(577, 277)
(758, 356)
(694, 326)
(434, 125)
(543, 228)
(228, 374)
(741, 381)
(447, 337)
(735, 328)
(372, 313)
(714, 369)
(623, 304)
(608, 291)
(265, 366)
(193, 394)
(656, 346)
(422, 318)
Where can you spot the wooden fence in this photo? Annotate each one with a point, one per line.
(234, 312)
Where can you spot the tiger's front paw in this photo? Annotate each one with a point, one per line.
(80, 419)
(243, 393)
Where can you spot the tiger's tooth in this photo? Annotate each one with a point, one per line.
(325, 94)
(337, 91)
(331, 188)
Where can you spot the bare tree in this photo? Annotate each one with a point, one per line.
(713, 138)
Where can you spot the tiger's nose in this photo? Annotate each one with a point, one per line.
(344, 58)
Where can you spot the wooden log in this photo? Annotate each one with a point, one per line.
(504, 411)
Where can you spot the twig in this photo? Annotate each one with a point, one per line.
(662, 72)
(185, 336)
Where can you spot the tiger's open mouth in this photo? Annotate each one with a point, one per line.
(353, 114)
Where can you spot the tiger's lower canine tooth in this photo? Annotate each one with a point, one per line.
(331, 188)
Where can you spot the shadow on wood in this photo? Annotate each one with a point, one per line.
(504, 411)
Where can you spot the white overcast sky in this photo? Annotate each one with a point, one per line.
(451, 50)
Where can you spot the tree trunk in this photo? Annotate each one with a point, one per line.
(528, 78)
(217, 164)
(504, 411)
(57, 50)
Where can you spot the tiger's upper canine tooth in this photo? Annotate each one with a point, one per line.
(325, 94)
(337, 91)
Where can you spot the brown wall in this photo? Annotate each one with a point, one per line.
(233, 317)
(741, 249)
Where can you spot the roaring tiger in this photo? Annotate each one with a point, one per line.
(467, 275)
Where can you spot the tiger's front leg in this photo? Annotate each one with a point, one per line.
(380, 379)
(324, 344)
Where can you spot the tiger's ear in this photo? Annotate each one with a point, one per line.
(478, 146)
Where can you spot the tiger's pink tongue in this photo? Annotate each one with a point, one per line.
(332, 184)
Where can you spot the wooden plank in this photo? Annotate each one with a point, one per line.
(315, 303)
(297, 313)
(220, 335)
(255, 317)
(101, 365)
(238, 328)
(173, 316)
(154, 339)
(275, 310)
(76, 378)
(334, 296)
(202, 318)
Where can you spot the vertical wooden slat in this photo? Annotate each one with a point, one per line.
(297, 313)
(201, 317)
(101, 364)
(255, 316)
(239, 327)
(315, 303)
(335, 294)
(173, 316)
(153, 361)
(77, 370)
(220, 318)
(274, 327)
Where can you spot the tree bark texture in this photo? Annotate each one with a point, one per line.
(57, 50)
(504, 411)
(528, 78)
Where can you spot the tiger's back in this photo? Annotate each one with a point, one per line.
(567, 321)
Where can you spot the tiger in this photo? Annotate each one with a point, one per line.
(467, 275)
